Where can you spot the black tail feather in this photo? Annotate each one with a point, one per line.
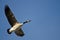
(8, 31)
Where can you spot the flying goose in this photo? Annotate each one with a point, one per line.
(15, 25)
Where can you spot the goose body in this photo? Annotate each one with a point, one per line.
(15, 25)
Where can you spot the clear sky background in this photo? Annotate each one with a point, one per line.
(45, 16)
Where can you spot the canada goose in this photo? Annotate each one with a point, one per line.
(15, 25)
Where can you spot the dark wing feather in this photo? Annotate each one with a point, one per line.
(10, 16)
(19, 32)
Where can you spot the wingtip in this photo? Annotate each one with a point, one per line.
(22, 35)
(7, 8)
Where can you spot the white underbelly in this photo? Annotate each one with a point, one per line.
(15, 27)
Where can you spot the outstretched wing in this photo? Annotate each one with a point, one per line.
(19, 32)
(10, 16)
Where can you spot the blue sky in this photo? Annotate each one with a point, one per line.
(45, 16)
